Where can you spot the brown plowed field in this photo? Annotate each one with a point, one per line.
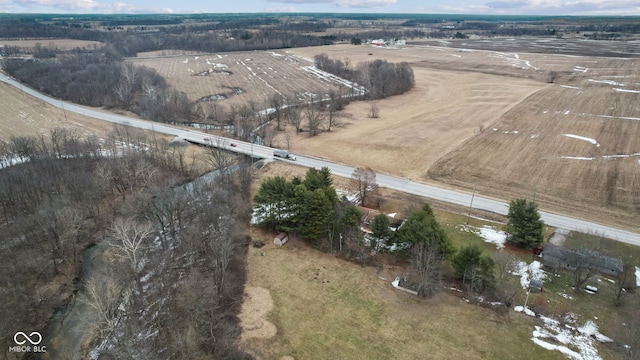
(492, 119)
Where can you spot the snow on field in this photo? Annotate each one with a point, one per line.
(571, 87)
(638, 268)
(608, 82)
(616, 117)
(577, 342)
(488, 233)
(580, 69)
(593, 141)
(323, 75)
(528, 272)
(576, 158)
(627, 91)
(514, 60)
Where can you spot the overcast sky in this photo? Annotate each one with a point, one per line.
(498, 7)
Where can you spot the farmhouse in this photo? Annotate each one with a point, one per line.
(555, 257)
(395, 219)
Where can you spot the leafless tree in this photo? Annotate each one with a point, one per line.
(293, 115)
(315, 117)
(334, 104)
(426, 260)
(277, 104)
(130, 237)
(219, 158)
(552, 76)
(624, 282)
(584, 266)
(363, 182)
(267, 134)
(103, 296)
(505, 288)
(374, 111)
(288, 140)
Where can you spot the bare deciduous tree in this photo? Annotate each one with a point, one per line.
(102, 296)
(219, 158)
(363, 181)
(426, 260)
(374, 111)
(315, 117)
(129, 237)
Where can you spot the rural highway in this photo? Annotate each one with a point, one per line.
(395, 183)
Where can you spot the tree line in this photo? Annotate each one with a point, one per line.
(309, 208)
(100, 78)
(65, 194)
(381, 78)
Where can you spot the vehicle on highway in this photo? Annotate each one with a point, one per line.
(233, 145)
(284, 154)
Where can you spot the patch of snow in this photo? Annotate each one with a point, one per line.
(571, 87)
(638, 268)
(627, 91)
(617, 117)
(527, 272)
(527, 311)
(608, 82)
(571, 337)
(581, 69)
(491, 235)
(535, 136)
(392, 215)
(566, 296)
(396, 282)
(583, 138)
(576, 158)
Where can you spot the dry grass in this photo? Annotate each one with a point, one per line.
(240, 76)
(326, 308)
(23, 115)
(491, 119)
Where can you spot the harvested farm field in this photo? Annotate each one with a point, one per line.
(239, 78)
(564, 130)
(62, 44)
(24, 115)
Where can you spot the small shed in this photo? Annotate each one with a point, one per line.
(536, 286)
(281, 239)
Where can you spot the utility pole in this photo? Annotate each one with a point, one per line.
(471, 203)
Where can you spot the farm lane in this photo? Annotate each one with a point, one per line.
(395, 183)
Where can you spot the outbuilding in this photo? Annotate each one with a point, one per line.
(281, 239)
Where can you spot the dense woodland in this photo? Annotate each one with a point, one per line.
(173, 284)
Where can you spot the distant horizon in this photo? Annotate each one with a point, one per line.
(588, 8)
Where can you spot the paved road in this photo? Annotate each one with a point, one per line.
(395, 183)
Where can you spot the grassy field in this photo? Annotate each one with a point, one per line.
(306, 304)
(326, 308)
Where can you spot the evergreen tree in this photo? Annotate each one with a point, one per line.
(524, 229)
(421, 227)
(380, 230)
(473, 268)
